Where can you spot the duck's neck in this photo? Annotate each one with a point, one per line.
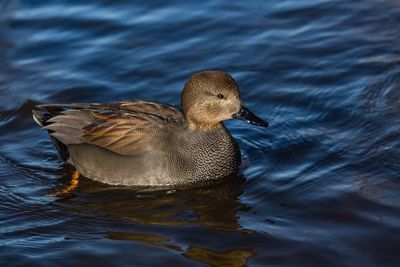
(205, 127)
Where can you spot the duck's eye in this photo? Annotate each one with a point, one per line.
(221, 96)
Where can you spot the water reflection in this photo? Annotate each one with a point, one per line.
(214, 207)
(232, 258)
(146, 238)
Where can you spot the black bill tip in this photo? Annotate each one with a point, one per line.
(249, 117)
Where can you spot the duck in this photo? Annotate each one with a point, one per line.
(149, 144)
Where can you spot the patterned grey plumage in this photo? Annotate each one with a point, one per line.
(142, 143)
(201, 157)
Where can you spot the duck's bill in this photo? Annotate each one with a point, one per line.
(249, 117)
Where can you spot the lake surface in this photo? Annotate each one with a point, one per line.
(322, 184)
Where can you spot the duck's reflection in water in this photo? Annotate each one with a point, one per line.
(213, 208)
(232, 258)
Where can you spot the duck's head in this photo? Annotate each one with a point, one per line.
(210, 97)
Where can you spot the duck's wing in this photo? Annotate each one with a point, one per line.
(168, 112)
(125, 128)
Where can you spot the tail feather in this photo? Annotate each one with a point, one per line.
(41, 116)
(43, 113)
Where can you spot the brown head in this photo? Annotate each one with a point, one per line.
(210, 97)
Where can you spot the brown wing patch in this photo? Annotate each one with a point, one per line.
(168, 112)
(126, 127)
(122, 132)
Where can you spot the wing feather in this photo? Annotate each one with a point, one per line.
(125, 128)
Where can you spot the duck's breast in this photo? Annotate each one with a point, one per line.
(201, 156)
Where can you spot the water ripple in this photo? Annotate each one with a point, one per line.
(319, 187)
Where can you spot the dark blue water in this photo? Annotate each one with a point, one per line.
(322, 183)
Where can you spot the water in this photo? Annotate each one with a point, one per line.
(321, 184)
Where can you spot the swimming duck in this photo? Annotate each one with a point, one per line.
(142, 143)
